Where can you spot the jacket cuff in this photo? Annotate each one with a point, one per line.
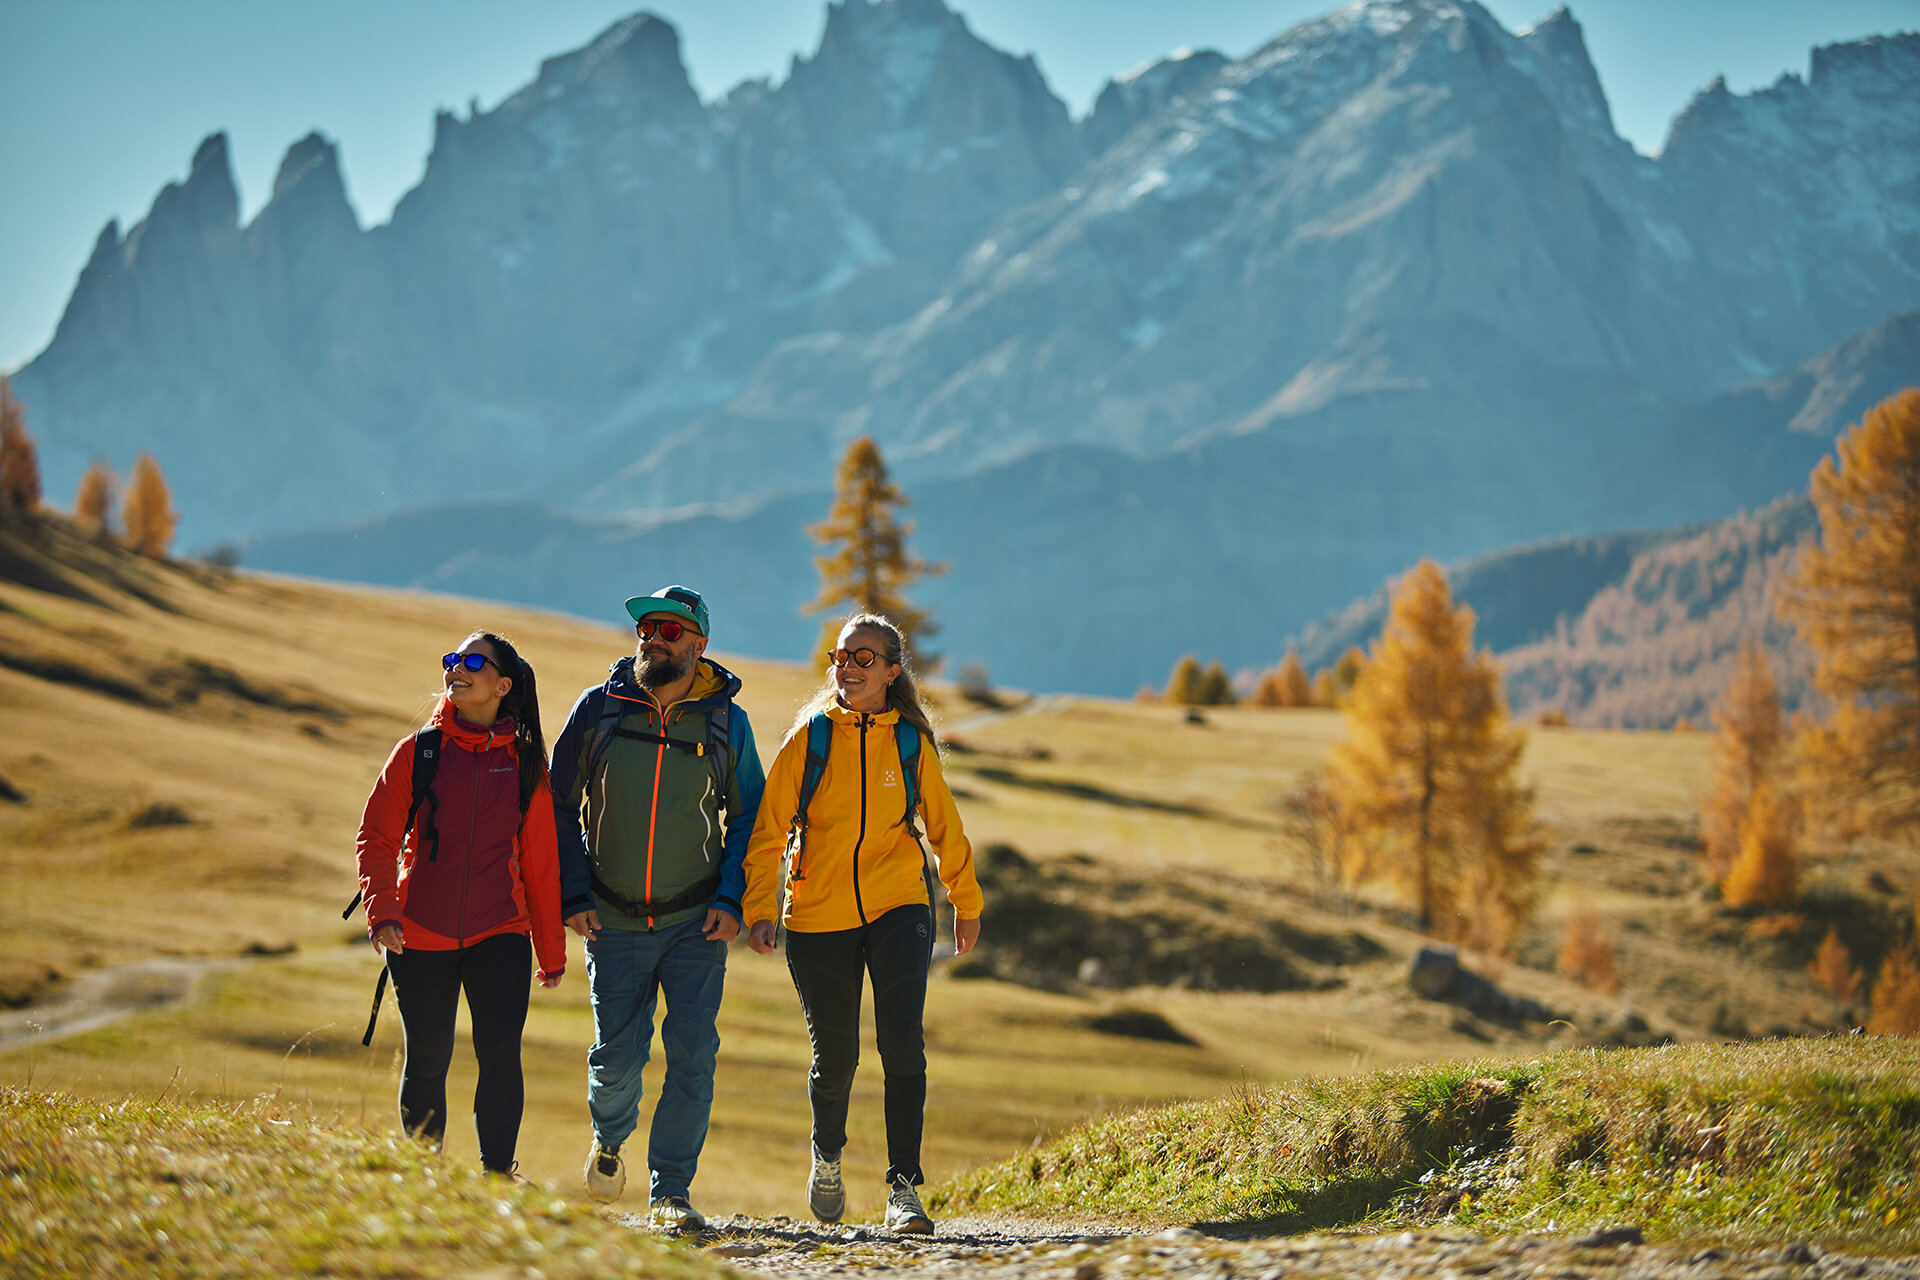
(375, 926)
(544, 974)
(731, 908)
(574, 906)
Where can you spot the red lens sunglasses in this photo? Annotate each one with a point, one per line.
(669, 630)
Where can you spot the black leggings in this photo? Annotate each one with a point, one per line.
(427, 984)
(897, 950)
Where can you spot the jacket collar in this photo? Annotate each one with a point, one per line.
(846, 715)
(473, 737)
(711, 683)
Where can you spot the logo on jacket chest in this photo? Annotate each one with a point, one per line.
(889, 778)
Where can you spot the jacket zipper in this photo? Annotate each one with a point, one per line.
(862, 837)
(473, 822)
(653, 817)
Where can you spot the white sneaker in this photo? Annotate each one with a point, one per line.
(675, 1214)
(904, 1213)
(826, 1195)
(606, 1173)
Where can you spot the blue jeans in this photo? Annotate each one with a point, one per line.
(628, 971)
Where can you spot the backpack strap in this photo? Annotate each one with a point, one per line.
(426, 762)
(720, 747)
(906, 736)
(819, 741)
(379, 993)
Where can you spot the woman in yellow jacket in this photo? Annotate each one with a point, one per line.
(858, 898)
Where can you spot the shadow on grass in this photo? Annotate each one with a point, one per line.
(1346, 1203)
(1100, 795)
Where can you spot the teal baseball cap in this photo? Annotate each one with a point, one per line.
(683, 602)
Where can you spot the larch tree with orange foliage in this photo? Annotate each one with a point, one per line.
(1855, 597)
(93, 501)
(1427, 782)
(1587, 954)
(1896, 995)
(148, 515)
(1832, 970)
(19, 459)
(1286, 685)
(1748, 746)
(1764, 872)
(867, 568)
(1185, 683)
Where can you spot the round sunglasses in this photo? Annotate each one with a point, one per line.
(667, 628)
(471, 661)
(862, 657)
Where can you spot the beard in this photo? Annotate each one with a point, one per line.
(654, 673)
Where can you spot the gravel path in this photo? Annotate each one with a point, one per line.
(1007, 1249)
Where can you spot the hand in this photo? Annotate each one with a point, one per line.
(585, 923)
(551, 980)
(720, 926)
(760, 937)
(389, 938)
(965, 934)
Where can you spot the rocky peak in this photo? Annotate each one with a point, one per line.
(636, 60)
(1566, 72)
(188, 215)
(312, 158)
(892, 45)
(309, 210)
(1875, 62)
(1144, 92)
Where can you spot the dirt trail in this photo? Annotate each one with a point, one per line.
(98, 997)
(994, 1248)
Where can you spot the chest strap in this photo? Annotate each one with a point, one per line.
(691, 748)
(693, 896)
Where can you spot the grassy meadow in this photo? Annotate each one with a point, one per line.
(190, 752)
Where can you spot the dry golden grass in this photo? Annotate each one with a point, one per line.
(269, 755)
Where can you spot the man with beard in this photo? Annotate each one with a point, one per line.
(656, 754)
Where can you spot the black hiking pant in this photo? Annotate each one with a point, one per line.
(495, 973)
(895, 951)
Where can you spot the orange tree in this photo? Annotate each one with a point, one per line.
(1426, 783)
(1855, 596)
(93, 501)
(148, 513)
(19, 459)
(866, 568)
(1749, 734)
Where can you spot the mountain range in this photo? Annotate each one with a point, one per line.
(1249, 337)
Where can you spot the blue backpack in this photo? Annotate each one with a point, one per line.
(906, 737)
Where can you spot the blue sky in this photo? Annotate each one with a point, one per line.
(103, 101)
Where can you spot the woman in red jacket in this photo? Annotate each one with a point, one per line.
(466, 897)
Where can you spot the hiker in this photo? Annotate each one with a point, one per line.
(461, 883)
(858, 771)
(656, 754)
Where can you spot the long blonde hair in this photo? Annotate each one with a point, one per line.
(903, 695)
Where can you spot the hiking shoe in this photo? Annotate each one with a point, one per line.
(826, 1196)
(904, 1213)
(606, 1174)
(675, 1214)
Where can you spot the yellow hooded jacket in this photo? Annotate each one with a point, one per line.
(859, 860)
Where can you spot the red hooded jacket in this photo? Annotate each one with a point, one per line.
(493, 869)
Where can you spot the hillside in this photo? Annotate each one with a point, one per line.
(1748, 1145)
(187, 753)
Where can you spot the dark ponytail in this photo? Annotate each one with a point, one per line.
(522, 702)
